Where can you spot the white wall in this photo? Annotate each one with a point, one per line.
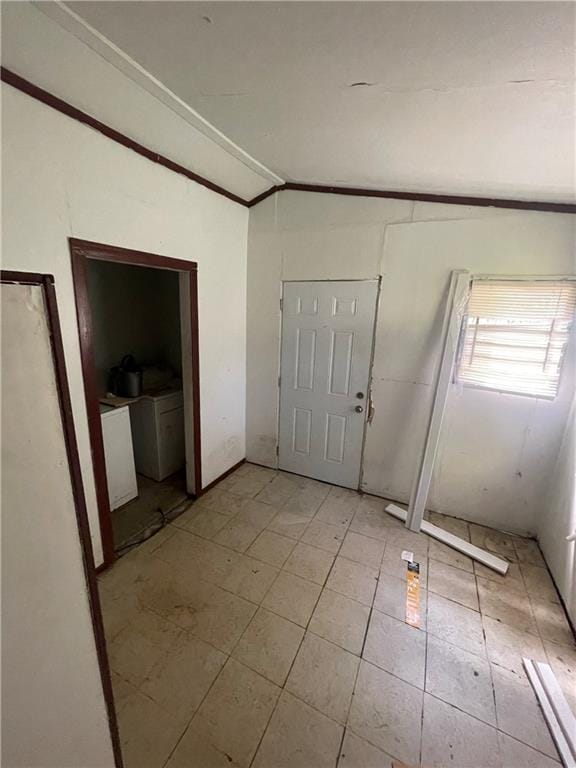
(496, 449)
(82, 68)
(559, 520)
(62, 179)
(53, 711)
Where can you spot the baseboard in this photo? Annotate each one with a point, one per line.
(221, 477)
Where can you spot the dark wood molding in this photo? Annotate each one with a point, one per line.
(483, 202)
(21, 84)
(223, 476)
(81, 251)
(84, 317)
(62, 106)
(47, 283)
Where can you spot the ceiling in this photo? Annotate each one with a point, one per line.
(454, 97)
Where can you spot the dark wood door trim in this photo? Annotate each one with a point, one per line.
(81, 251)
(47, 283)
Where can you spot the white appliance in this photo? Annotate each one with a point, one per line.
(118, 454)
(158, 434)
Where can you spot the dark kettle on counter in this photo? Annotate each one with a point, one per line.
(126, 378)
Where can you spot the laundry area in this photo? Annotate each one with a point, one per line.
(135, 317)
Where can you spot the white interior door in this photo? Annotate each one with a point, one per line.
(327, 332)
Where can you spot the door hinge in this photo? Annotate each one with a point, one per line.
(277, 450)
(281, 304)
(279, 380)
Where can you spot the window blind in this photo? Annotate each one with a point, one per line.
(515, 333)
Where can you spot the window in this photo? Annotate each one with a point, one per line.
(514, 335)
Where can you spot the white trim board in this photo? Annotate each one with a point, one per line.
(476, 553)
(76, 25)
(558, 715)
(456, 301)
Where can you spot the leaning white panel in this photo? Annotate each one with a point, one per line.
(476, 553)
(557, 713)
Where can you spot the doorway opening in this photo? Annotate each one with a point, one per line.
(138, 322)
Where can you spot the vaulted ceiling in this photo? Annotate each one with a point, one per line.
(454, 97)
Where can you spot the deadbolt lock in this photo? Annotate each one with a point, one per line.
(359, 395)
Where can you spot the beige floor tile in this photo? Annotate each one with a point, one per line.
(396, 647)
(236, 711)
(201, 521)
(310, 563)
(292, 597)
(528, 551)
(393, 565)
(247, 487)
(338, 511)
(289, 524)
(148, 733)
(390, 598)
(507, 646)
(353, 580)
(453, 583)
(195, 750)
(298, 737)
(257, 513)
(182, 550)
(121, 690)
(140, 645)
(452, 524)
(539, 583)
(552, 622)
(237, 535)
(512, 579)
(304, 503)
(357, 753)
(149, 546)
(403, 539)
(445, 554)
(456, 624)
(324, 536)
(195, 557)
(518, 712)
(362, 549)
(323, 676)
(341, 620)
(278, 491)
(250, 578)
(514, 754)
(562, 659)
(271, 548)
(460, 678)
(372, 522)
(221, 502)
(212, 614)
(494, 541)
(182, 677)
(387, 712)
(451, 737)
(508, 605)
(269, 645)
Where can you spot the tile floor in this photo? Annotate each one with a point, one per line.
(131, 521)
(265, 627)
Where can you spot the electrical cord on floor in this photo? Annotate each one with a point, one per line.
(152, 530)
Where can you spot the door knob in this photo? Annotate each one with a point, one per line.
(359, 409)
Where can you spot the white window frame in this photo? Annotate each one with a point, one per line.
(516, 279)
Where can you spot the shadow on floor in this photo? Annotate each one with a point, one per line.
(147, 513)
